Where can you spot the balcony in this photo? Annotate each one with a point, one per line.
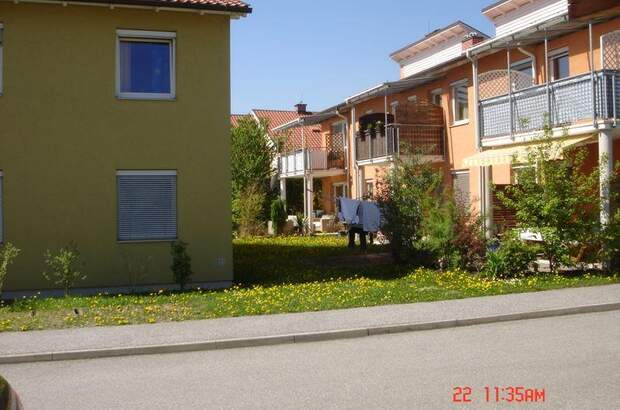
(400, 138)
(566, 102)
(298, 162)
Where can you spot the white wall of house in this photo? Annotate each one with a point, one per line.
(528, 15)
(432, 57)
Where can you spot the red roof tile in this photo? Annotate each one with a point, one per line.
(277, 118)
(232, 6)
(228, 5)
(234, 119)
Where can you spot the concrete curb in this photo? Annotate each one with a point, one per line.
(299, 337)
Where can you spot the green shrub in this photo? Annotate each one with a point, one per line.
(252, 160)
(248, 208)
(469, 240)
(302, 224)
(278, 216)
(404, 197)
(64, 268)
(557, 195)
(8, 253)
(512, 259)
(424, 223)
(181, 263)
(452, 235)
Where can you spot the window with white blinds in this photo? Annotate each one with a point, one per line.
(460, 102)
(147, 205)
(460, 184)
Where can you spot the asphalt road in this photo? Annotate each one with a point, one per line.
(575, 359)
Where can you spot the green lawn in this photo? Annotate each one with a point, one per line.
(279, 276)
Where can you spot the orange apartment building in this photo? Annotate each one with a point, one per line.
(472, 103)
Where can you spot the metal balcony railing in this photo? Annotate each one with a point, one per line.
(310, 159)
(401, 138)
(560, 103)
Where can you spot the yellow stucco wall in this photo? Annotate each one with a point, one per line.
(64, 134)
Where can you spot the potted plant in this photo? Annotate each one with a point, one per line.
(379, 129)
(369, 130)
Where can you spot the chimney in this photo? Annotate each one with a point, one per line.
(471, 39)
(302, 108)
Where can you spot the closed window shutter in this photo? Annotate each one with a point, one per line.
(461, 188)
(147, 207)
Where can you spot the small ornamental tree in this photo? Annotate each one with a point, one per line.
(8, 253)
(252, 162)
(424, 222)
(64, 267)
(557, 195)
(278, 216)
(248, 207)
(451, 234)
(402, 197)
(181, 263)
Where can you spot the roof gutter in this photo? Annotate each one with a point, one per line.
(474, 65)
(533, 57)
(234, 13)
(346, 145)
(515, 37)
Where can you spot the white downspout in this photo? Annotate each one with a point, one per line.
(485, 173)
(355, 166)
(346, 149)
(304, 168)
(533, 57)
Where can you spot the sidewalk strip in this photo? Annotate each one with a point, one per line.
(300, 337)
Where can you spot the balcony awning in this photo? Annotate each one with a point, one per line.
(518, 153)
(395, 87)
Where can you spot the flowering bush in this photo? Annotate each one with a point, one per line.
(404, 196)
(8, 253)
(423, 221)
(557, 195)
(64, 267)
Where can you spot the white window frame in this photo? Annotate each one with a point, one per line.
(1, 62)
(147, 173)
(369, 182)
(341, 184)
(517, 64)
(437, 92)
(514, 172)
(453, 86)
(554, 55)
(144, 35)
(412, 98)
(393, 106)
(341, 123)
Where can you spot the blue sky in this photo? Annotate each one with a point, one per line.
(321, 51)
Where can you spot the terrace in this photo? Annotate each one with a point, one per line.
(297, 162)
(588, 98)
(415, 127)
